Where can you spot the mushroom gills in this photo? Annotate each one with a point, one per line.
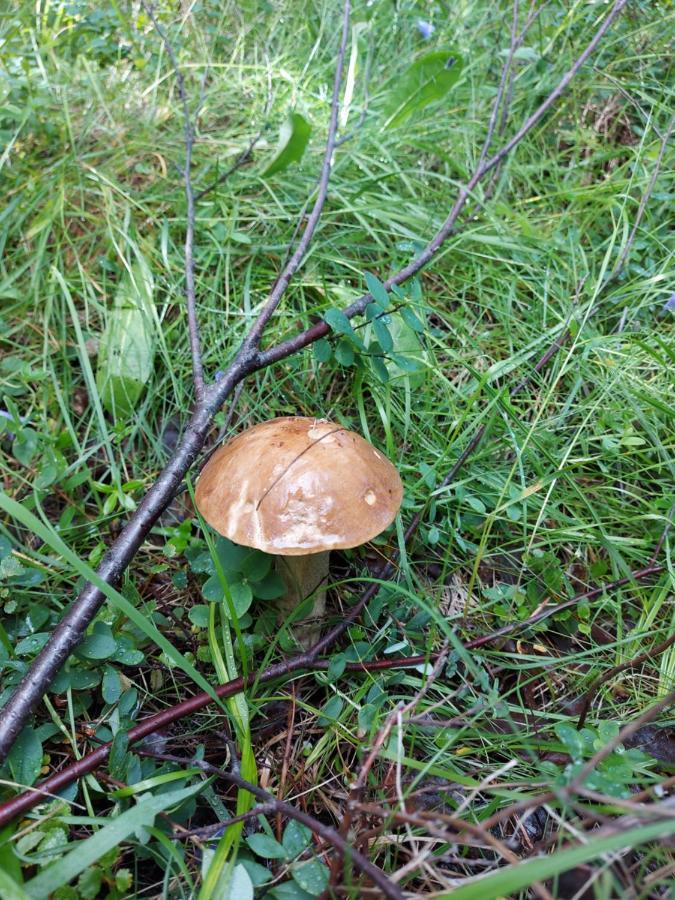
(304, 576)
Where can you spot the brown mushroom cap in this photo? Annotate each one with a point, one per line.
(295, 485)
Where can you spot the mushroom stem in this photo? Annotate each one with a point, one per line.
(304, 575)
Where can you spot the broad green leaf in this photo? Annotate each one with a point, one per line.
(112, 686)
(293, 139)
(270, 587)
(9, 889)
(338, 321)
(97, 646)
(412, 320)
(289, 890)
(240, 886)
(344, 352)
(312, 877)
(25, 445)
(265, 846)
(32, 644)
(377, 289)
(330, 711)
(25, 757)
(296, 838)
(429, 78)
(127, 346)
(322, 350)
(199, 615)
(89, 851)
(384, 339)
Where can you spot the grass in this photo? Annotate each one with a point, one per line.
(570, 488)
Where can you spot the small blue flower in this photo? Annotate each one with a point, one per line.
(670, 303)
(219, 374)
(426, 29)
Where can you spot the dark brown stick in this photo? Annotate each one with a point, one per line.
(325, 832)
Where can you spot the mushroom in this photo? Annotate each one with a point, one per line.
(297, 488)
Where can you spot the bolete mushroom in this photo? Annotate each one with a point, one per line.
(297, 488)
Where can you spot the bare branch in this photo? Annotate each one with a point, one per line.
(325, 832)
(292, 345)
(644, 200)
(190, 297)
(289, 270)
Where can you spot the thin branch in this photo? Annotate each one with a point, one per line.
(190, 297)
(246, 361)
(650, 654)
(506, 71)
(644, 200)
(283, 280)
(325, 832)
(241, 160)
(320, 329)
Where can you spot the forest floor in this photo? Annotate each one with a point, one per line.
(540, 760)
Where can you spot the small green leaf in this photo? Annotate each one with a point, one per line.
(405, 363)
(111, 688)
(476, 504)
(377, 289)
(97, 645)
(25, 757)
(383, 337)
(199, 615)
(338, 321)
(571, 739)
(429, 78)
(293, 139)
(330, 711)
(127, 345)
(373, 310)
(336, 666)
(289, 890)
(239, 886)
(242, 597)
(31, 644)
(270, 587)
(380, 369)
(344, 352)
(231, 556)
(296, 838)
(117, 760)
(312, 877)
(25, 445)
(322, 350)
(412, 320)
(89, 883)
(256, 566)
(265, 846)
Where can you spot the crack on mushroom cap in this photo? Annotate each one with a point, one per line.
(341, 495)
